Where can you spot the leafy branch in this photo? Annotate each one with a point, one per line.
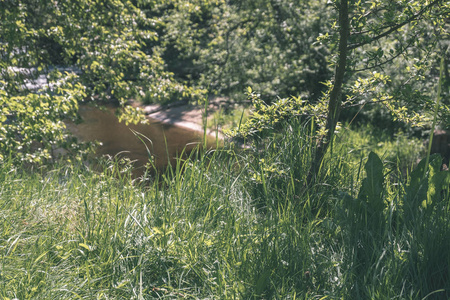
(395, 27)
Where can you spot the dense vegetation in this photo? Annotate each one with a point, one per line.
(160, 51)
(232, 225)
(308, 208)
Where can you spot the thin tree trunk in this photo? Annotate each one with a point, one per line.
(334, 105)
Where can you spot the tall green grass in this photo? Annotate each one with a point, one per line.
(232, 224)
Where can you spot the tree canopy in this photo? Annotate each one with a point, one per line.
(161, 51)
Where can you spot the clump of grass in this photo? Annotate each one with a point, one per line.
(228, 118)
(400, 152)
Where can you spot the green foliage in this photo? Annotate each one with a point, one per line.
(387, 231)
(31, 127)
(103, 42)
(359, 34)
(398, 151)
(402, 40)
(160, 51)
(228, 117)
(371, 193)
(228, 46)
(230, 224)
(264, 118)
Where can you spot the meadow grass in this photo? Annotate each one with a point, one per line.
(232, 224)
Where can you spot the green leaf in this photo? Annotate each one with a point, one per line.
(417, 189)
(85, 246)
(372, 186)
(438, 181)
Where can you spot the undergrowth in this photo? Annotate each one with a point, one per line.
(233, 224)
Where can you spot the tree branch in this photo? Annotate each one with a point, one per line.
(386, 61)
(396, 27)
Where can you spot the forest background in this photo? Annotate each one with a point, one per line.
(162, 51)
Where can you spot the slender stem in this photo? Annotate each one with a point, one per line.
(205, 123)
(436, 109)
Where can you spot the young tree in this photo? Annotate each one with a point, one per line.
(373, 41)
(334, 102)
(362, 24)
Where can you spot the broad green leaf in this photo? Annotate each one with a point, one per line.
(372, 186)
(437, 182)
(417, 189)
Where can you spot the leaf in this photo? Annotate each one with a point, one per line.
(437, 181)
(370, 204)
(417, 189)
(13, 246)
(372, 186)
(85, 246)
(40, 256)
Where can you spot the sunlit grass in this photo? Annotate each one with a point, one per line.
(226, 118)
(225, 224)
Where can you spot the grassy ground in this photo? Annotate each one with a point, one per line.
(228, 118)
(232, 224)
